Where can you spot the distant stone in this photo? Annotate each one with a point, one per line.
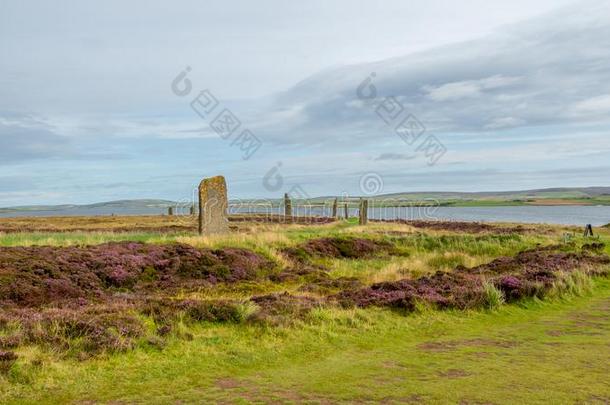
(335, 205)
(213, 204)
(588, 231)
(363, 218)
(287, 206)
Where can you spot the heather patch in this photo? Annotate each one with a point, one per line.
(81, 331)
(335, 247)
(594, 247)
(325, 284)
(282, 308)
(300, 272)
(315, 279)
(35, 276)
(152, 224)
(281, 219)
(90, 330)
(530, 273)
(115, 296)
(460, 227)
(166, 312)
(443, 289)
(279, 308)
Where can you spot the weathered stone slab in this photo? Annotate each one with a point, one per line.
(213, 204)
(335, 206)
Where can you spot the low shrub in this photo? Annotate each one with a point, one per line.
(212, 311)
(284, 308)
(494, 297)
(335, 247)
(575, 283)
(447, 260)
(7, 359)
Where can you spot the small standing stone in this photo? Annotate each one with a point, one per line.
(192, 210)
(287, 206)
(588, 231)
(335, 206)
(346, 211)
(364, 212)
(170, 211)
(213, 204)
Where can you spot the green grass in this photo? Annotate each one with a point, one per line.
(81, 238)
(539, 352)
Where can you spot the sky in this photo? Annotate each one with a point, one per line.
(117, 100)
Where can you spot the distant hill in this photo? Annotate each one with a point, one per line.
(119, 205)
(582, 192)
(548, 196)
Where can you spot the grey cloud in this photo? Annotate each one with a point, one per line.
(25, 137)
(549, 70)
(22, 143)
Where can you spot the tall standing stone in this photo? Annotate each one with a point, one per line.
(170, 211)
(287, 206)
(346, 211)
(335, 206)
(213, 206)
(364, 212)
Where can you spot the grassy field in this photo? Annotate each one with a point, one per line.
(550, 346)
(553, 352)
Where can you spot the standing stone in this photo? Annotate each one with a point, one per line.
(170, 211)
(335, 206)
(588, 231)
(346, 211)
(364, 212)
(213, 206)
(192, 210)
(287, 206)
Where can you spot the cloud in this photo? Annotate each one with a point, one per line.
(593, 106)
(550, 70)
(469, 88)
(23, 138)
(395, 156)
(27, 137)
(504, 122)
